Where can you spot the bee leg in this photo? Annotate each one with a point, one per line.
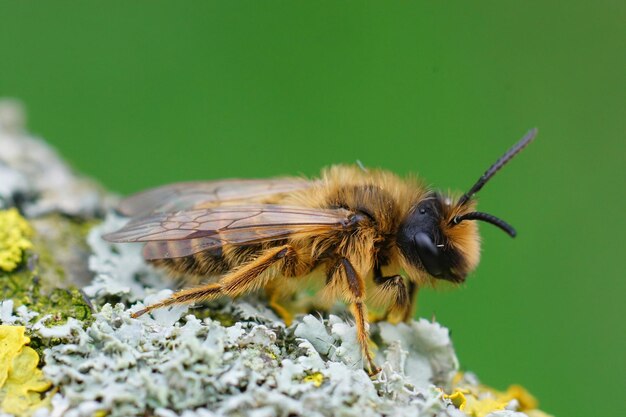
(205, 292)
(359, 312)
(294, 264)
(238, 282)
(356, 294)
(275, 305)
(393, 288)
(412, 297)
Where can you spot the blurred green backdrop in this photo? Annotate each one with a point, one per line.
(138, 94)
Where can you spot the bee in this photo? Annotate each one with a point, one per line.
(358, 230)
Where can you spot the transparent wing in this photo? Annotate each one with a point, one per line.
(188, 195)
(172, 235)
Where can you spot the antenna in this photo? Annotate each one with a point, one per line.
(489, 218)
(504, 159)
(521, 144)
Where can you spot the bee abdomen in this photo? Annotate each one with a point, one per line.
(206, 263)
(217, 261)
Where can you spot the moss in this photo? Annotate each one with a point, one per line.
(15, 234)
(24, 288)
(225, 320)
(21, 382)
(214, 311)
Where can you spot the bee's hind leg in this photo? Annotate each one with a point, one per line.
(248, 277)
(206, 292)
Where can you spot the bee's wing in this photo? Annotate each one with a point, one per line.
(187, 195)
(173, 235)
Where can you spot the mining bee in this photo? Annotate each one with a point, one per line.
(358, 231)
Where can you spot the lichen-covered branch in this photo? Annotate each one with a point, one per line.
(69, 347)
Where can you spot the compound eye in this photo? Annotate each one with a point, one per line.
(429, 254)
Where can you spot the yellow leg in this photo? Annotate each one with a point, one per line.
(275, 305)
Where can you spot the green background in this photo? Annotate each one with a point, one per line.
(138, 94)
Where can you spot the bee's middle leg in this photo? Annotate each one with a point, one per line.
(343, 269)
(248, 277)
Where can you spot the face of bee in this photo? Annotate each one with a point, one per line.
(440, 236)
(429, 241)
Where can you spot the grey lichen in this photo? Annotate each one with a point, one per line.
(230, 358)
(174, 363)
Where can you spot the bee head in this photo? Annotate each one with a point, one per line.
(440, 236)
(429, 242)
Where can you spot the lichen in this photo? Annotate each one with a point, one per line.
(61, 249)
(22, 384)
(30, 278)
(15, 234)
(228, 370)
(478, 400)
(173, 362)
(23, 289)
(316, 378)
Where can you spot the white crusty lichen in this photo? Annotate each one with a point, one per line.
(176, 364)
(173, 365)
(229, 358)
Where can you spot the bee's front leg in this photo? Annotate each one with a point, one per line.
(412, 297)
(392, 290)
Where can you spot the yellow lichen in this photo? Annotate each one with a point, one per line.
(14, 239)
(457, 398)
(524, 398)
(482, 406)
(22, 384)
(315, 378)
(481, 400)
